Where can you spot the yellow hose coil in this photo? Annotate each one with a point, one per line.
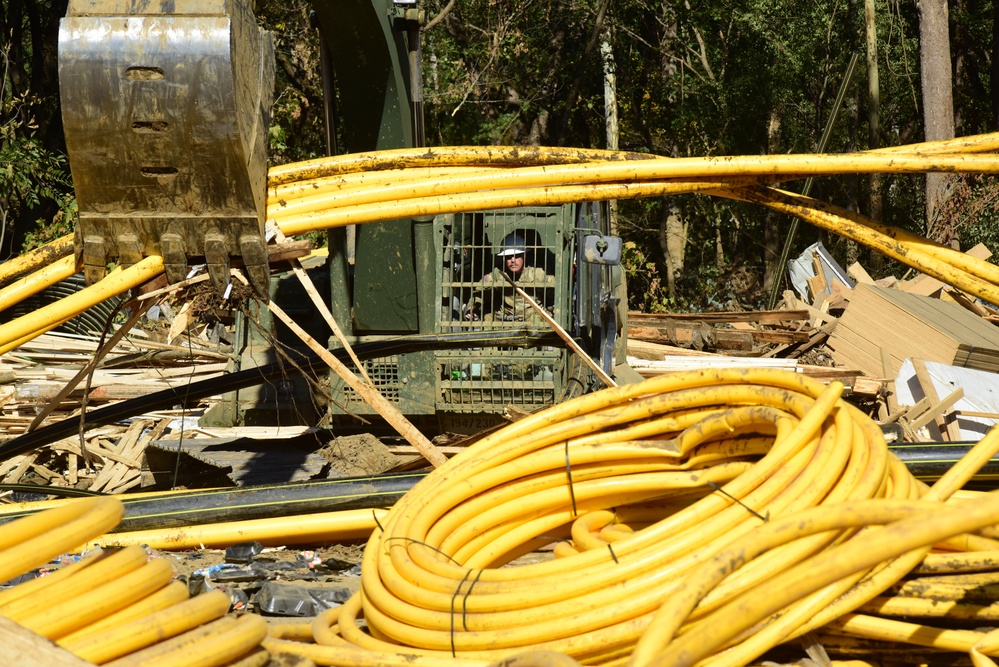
(713, 515)
(431, 581)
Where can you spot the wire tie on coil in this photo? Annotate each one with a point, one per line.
(613, 555)
(739, 502)
(568, 471)
(464, 602)
(454, 597)
(423, 544)
(378, 523)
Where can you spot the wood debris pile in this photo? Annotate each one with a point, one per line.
(918, 355)
(48, 380)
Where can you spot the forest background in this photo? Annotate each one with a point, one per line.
(676, 78)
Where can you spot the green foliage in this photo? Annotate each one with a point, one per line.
(32, 178)
(297, 130)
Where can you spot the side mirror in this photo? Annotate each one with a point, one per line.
(602, 249)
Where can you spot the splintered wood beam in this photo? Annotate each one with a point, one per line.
(761, 316)
(369, 393)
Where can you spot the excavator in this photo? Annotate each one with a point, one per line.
(166, 106)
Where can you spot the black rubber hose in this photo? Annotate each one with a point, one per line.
(928, 461)
(270, 373)
(198, 507)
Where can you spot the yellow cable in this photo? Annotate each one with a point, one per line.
(184, 642)
(80, 582)
(38, 585)
(34, 283)
(333, 526)
(219, 648)
(174, 593)
(115, 283)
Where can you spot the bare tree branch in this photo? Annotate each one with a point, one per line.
(441, 15)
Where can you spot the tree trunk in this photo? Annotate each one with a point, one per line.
(673, 242)
(771, 220)
(876, 200)
(610, 107)
(938, 101)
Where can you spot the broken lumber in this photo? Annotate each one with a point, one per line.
(909, 325)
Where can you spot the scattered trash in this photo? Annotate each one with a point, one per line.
(277, 599)
(244, 552)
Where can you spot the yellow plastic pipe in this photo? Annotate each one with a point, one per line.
(40, 257)
(34, 324)
(326, 526)
(520, 156)
(34, 283)
(29, 542)
(125, 638)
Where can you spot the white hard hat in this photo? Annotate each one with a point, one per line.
(513, 244)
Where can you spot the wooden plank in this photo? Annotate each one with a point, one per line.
(656, 351)
(948, 319)
(724, 339)
(859, 274)
(817, 288)
(817, 338)
(24, 648)
(760, 316)
(963, 300)
(910, 326)
(907, 411)
(936, 414)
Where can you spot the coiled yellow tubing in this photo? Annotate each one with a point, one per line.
(714, 515)
(116, 608)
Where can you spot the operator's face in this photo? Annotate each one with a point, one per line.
(514, 263)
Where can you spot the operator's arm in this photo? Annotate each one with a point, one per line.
(474, 309)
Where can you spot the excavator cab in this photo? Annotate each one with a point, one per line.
(166, 135)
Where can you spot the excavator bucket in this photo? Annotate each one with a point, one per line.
(165, 106)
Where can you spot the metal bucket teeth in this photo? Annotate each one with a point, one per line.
(165, 108)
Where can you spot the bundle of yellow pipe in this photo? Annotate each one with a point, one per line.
(387, 185)
(751, 507)
(117, 608)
